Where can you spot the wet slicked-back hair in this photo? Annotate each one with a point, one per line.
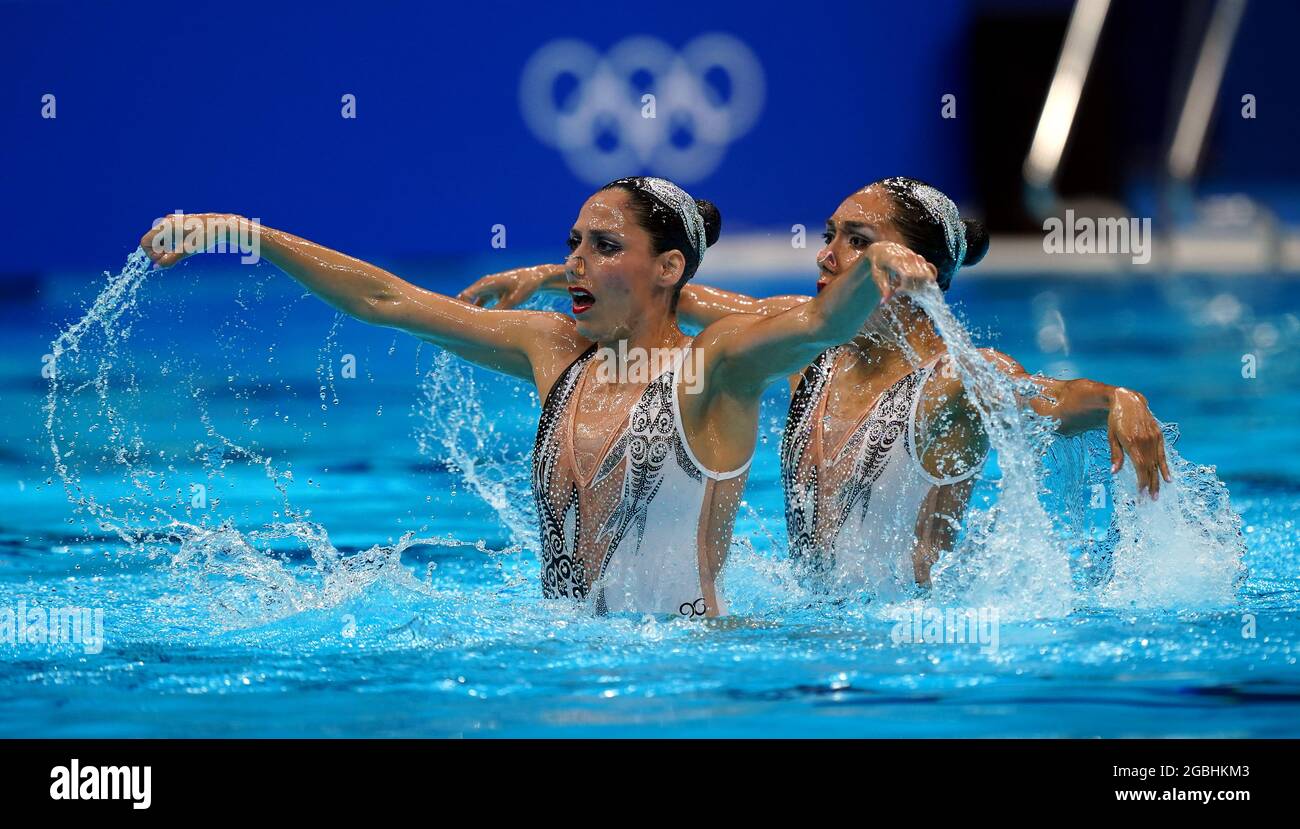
(929, 223)
(665, 226)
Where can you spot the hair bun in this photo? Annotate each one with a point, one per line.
(712, 221)
(977, 242)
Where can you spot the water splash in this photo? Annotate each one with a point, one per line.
(1185, 550)
(1032, 552)
(453, 424)
(1033, 548)
(1008, 557)
(119, 459)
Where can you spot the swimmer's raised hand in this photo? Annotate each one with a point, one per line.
(177, 236)
(510, 289)
(895, 268)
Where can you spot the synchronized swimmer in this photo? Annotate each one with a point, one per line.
(878, 455)
(636, 487)
(637, 484)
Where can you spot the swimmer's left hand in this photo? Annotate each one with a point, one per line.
(510, 289)
(1134, 431)
(175, 237)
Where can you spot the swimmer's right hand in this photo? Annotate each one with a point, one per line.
(176, 236)
(510, 289)
(897, 268)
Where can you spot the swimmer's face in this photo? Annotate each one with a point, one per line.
(615, 277)
(861, 220)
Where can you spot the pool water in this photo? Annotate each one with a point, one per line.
(296, 423)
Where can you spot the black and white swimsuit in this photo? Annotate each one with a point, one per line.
(636, 536)
(851, 510)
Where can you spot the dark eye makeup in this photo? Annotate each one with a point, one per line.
(599, 243)
(857, 240)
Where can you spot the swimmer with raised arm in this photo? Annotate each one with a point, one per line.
(636, 484)
(879, 455)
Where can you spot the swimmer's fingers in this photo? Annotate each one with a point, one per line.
(153, 242)
(917, 273)
(473, 297)
(1151, 443)
(169, 259)
(165, 259)
(510, 289)
(483, 291)
(157, 244)
(1159, 465)
(896, 268)
(1132, 425)
(1145, 475)
(1164, 462)
(1144, 449)
(1141, 465)
(512, 299)
(884, 279)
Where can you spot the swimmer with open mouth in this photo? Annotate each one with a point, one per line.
(879, 455)
(636, 483)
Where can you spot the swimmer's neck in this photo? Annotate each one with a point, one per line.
(644, 335)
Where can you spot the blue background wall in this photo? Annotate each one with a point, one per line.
(161, 107)
(236, 107)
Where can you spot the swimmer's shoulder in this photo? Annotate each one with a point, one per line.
(1005, 362)
(944, 389)
(555, 345)
(553, 323)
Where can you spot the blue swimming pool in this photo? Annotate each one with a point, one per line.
(295, 423)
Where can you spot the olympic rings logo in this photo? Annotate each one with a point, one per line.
(693, 609)
(643, 107)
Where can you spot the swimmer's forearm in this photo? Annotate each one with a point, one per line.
(843, 306)
(498, 341)
(751, 353)
(355, 287)
(1078, 405)
(703, 305)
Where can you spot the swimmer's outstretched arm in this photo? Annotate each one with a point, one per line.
(1083, 405)
(1080, 406)
(751, 351)
(526, 344)
(704, 305)
(740, 355)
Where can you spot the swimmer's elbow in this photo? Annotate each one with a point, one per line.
(385, 305)
(371, 309)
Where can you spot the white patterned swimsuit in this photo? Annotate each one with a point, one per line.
(638, 534)
(851, 511)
